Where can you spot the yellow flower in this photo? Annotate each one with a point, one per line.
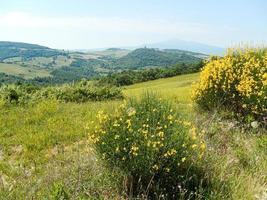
(161, 134)
(117, 149)
(131, 112)
(167, 169)
(202, 147)
(155, 167)
(116, 137)
(128, 121)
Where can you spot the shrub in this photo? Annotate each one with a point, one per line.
(237, 81)
(154, 148)
(79, 92)
(84, 91)
(16, 94)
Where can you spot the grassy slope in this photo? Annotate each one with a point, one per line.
(53, 136)
(176, 88)
(24, 72)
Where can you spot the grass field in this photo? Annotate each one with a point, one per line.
(24, 72)
(44, 148)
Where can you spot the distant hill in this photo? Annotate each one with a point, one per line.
(20, 45)
(25, 50)
(46, 65)
(148, 57)
(188, 46)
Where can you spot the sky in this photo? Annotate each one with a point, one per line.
(89, 24)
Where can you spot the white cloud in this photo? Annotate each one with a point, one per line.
(26, 20)
(32, 27)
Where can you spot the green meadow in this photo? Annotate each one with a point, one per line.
(23, 71)
(45, 152)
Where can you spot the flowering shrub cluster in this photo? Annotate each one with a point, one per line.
(149, 142)
(237, 81)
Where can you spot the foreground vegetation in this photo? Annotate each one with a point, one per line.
(63, 143)
(237, 82)
(45, 152)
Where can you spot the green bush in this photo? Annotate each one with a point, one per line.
(78, 92)
(16, 94)
(85, 91)
(157, 151)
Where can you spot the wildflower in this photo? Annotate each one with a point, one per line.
(170, 153)
(131, 111)
(134, 148)
(170, 117)
(116, 124)
(128, 121)
(155, 167)
(193, 133)
(117, 149)
(167, 169)
(202, 147)
(116, 137)
(161, 134)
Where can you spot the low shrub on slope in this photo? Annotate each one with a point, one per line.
(78, 92)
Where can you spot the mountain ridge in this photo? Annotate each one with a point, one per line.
(188, 46)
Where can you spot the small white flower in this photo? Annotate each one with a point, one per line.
(254, 124)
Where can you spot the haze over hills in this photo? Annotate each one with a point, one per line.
(172, 44)
(28, 61)
(188, 46)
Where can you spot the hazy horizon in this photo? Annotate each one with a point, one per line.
(89, 24)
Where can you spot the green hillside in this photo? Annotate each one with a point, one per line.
(146, 57)
(46, 65)
(25, 51)
(20, 45)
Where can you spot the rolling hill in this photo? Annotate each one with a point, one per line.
(147, 57)
(25, 51)
(46, 65)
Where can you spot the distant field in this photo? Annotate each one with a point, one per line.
(115, 54)
(58, 62)
(24, 72)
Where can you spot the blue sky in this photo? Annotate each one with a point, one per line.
(86, 24)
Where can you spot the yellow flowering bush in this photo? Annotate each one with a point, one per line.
(148, 141)
(237, 81)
